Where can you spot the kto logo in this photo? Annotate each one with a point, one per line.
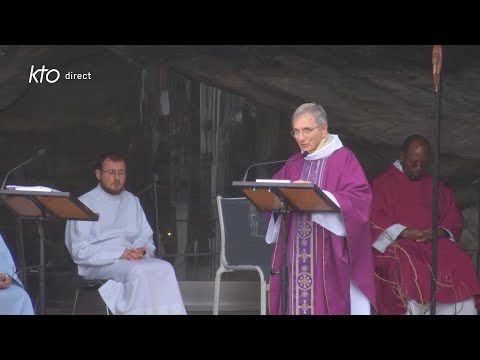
(51, 75)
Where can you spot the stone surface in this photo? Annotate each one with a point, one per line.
(374, 95)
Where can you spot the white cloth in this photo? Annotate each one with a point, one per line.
(320, 153)
(387, 237)
(147, 286)
(466, 307)
(14, 300)
(359, 303)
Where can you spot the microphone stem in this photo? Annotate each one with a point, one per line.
(264, 163)
(19, 166)
(302, 155)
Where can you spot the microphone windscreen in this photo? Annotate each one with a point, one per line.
(41, 151)
(304, 154)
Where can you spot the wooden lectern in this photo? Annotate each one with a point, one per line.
(40, 206)
(283, 198)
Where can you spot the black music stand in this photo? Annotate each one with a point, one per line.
(284, 198)
(40, 206)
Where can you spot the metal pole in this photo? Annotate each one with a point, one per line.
(437, 66)
(478, 213)
(159, 250)
(41, 271)
(21, 252)
(284, 267)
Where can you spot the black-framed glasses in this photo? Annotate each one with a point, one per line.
(296, 133)
(111, 172)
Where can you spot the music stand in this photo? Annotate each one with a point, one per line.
(284, 198)
(40, 206)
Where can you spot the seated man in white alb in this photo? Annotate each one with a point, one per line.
(119, 247)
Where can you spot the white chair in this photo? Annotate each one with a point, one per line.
(243, 246)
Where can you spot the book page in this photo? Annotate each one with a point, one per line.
(30, 188)
(274, 181)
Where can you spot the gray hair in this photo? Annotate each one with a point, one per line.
(316, 110)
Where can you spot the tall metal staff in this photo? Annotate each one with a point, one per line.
(437, 68)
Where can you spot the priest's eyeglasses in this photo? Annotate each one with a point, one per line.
(296, 133)
(111, 172)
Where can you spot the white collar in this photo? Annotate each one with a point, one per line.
(107, 195)
(327, 150)
(398, 165)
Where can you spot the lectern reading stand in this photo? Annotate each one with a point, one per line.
(284, 198)
(40, 206)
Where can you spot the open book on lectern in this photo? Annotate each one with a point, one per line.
(44, 204)
(297, 197)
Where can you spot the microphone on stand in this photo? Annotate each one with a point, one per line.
(40, 152)
(302, 155)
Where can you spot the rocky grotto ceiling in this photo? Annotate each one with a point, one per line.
(374, 95)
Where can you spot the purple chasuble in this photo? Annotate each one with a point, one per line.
(320, 263)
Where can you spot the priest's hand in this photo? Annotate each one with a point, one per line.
(422, 235)
(426, 234)
(142, 251)
(412, 234)
(5, 280)
(133, 254)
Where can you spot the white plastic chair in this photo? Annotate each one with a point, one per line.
(243, 246)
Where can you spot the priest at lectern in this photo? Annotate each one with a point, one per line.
(329, 257)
